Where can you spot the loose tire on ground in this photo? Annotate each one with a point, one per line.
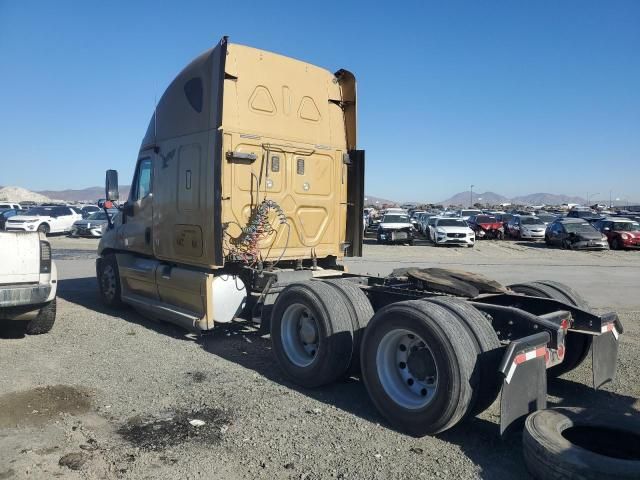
(360, 310)
(109, 281)
(442, 363)
(576, 345)
(44, 320)
(578, 444)
(488, 350)
(311, 333)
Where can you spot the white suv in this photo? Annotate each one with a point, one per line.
(28, 281)
(54, 219)
(10, 206)
(453, 231)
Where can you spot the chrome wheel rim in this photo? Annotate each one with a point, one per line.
(109, 282)
(407, 369)
(300, 335)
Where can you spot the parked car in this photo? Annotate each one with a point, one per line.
(430, 229)
(575, 233)
(93, 225)
(620, 232)
(504, 218)
(453, 231)
(585, 214)
(466, 213)
(396, 228)
(547, 218)
(6, 214)
(414, 218)
(526, 227)
(89, 209)
(28, 281)
(423, 219)
(486, 226)
(10, 206)
(50, 219)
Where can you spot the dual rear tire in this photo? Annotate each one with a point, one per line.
(316, 330)
(426, 364)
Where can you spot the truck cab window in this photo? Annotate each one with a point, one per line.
(143, 185)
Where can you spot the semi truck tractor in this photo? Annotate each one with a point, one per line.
(247, 196)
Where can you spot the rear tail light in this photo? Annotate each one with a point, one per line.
(45, 257)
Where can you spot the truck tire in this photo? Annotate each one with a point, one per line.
(311, 333)
(572, 443)
(109, 281)
(360, 310)
(44, 320)
(417, 363)
(488, 350)
(577, 345)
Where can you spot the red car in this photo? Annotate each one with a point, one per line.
(621, 232)
(486, 226)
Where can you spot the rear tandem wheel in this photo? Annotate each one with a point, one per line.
(417, 363)
(577, 345)
(312, 334)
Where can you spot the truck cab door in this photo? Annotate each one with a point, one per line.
(136, 229)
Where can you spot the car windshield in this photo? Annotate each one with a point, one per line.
(626, 226)
(97, 216)
(468, 213)
(451, 222)
(579, 228)
(44, 211)
(505, 217)
(395, 219)
(485, 219)
(546, 217)
(531, 221)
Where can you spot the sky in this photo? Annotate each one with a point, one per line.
(512, 97)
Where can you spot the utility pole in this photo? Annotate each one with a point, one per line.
(610, 204)
(471, 197)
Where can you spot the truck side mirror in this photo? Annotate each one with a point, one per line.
(111, 185)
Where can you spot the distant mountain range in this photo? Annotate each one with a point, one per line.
(493, 198)
(90, 194)
(85, 195)
(371, 200)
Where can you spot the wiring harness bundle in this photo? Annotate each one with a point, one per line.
(245, 247)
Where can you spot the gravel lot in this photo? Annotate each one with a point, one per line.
(117, 391)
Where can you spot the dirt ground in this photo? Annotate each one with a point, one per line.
(110, 394)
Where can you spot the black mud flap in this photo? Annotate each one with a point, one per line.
(604, 355)
(355, 204)
(524, 388)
